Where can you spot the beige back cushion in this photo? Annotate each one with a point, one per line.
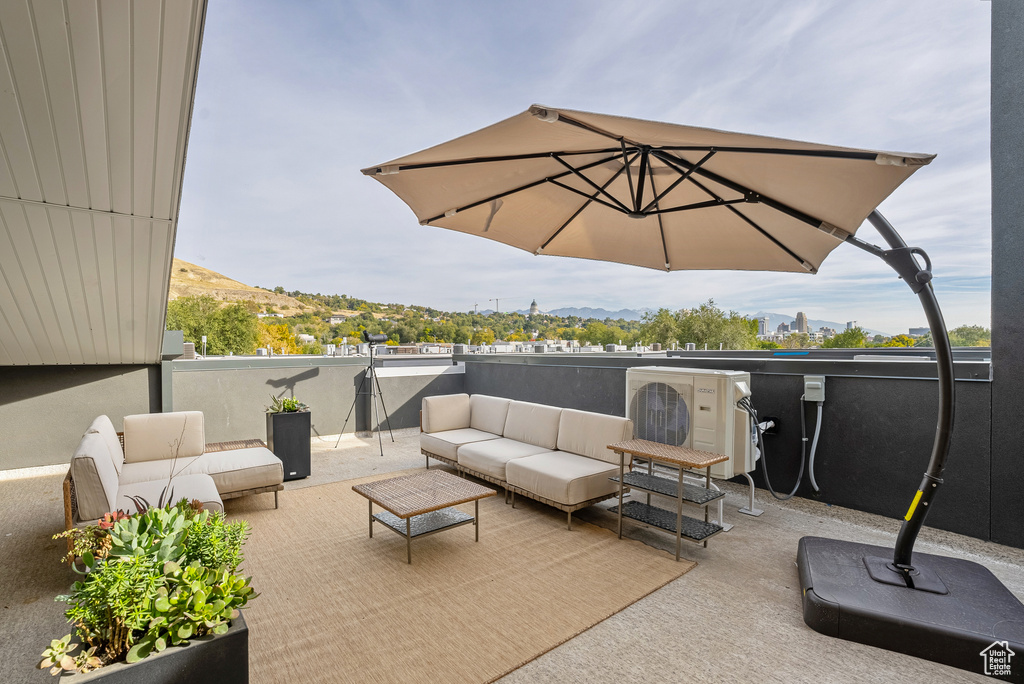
(105, 429)
(445, 412)
(532, 423)
(155, 436)
(589, 434)
(488, 413)
(95, 477)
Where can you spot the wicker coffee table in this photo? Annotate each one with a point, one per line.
(425, 502)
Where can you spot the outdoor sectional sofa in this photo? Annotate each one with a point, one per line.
(559, 457)
(154, 451)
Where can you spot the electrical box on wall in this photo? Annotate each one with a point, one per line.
(814, 388)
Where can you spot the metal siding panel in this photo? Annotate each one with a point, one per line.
(30, 80)
(103, 229)
(160, 258)
(14, 337)
(115, 25)
(142, 239)
(66, 243)
(33, 332)
(46, 280)
(13, 129)
(146, 47)
(175, 59)
(124, 250)
(14, 150)
(91, 307)
(62, 99)
(88, 66)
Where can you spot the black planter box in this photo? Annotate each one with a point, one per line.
(288, 437)
(221, 659)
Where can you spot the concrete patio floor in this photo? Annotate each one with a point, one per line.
(736, 617)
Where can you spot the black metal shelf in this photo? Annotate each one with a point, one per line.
(427, 523)
(666, 487)
(694, 530)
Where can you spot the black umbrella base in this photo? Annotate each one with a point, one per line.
(962, 615)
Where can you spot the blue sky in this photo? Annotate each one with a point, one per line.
(294, 98)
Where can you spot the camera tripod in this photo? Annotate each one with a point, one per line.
(374, 393)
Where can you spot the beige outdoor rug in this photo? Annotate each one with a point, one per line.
(337, 606)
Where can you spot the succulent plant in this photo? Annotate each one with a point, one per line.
(59, 659)
(288, 405)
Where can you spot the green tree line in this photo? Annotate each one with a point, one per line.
(235, 328)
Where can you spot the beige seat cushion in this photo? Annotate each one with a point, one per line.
(232, 471)
(532, 423)
(156, 436)
(189, 487)
(105, 429)
(491, 456)
(589, 434)
(445, 412)
(95, 477)
(488, 413)
(447, 443)
(563, 477)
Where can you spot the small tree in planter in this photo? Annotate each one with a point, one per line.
(288, 434)
(152, 580)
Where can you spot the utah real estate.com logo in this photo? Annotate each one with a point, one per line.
(997, 657)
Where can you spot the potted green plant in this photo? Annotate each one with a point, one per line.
(150, 583)
(288, 431)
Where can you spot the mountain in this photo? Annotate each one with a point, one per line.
(189, 280)
(812, 323)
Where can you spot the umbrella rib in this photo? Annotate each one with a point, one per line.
(580, 210)
(732, 185)
(592, 198)
(803, 262)
(592, 184)
(526, 187)
(679, 180)
(629, 171)
(641, 176)
(728, 205)
(483, 160)
(699, 205)
(661, 225)
(832, 154)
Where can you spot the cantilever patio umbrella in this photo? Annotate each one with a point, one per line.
(671, 197)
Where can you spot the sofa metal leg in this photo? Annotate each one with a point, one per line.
(275, 498)
(513, 498)
(570, 521)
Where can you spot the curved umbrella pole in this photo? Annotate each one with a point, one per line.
(902, 259)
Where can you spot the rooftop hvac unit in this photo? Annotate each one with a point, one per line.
(694, 408)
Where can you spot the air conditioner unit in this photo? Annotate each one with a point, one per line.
(694, 408)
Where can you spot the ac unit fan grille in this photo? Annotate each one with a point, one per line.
(659, 414)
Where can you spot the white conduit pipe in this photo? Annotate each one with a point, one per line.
(814, 448)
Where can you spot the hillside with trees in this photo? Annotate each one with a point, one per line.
(238, 319)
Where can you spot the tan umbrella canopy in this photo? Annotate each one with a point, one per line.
(658, 195)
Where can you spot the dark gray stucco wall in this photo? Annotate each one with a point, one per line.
(876, 434)
(1007, 271)
(45, 409)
